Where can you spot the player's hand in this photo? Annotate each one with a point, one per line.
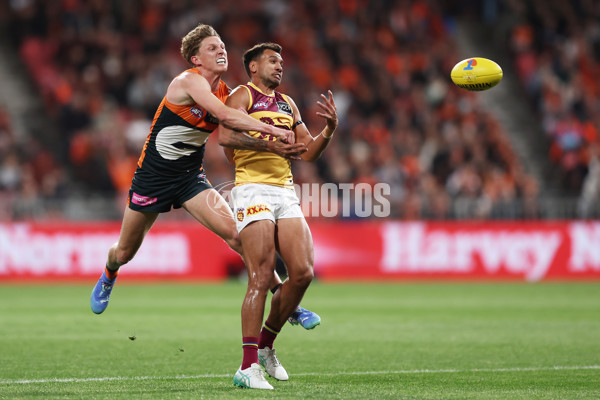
(286, 150)
(284, 135)
(329, 111)
(290, 137)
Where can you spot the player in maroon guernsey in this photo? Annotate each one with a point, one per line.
(268, 213)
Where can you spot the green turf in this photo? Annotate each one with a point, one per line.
(396, 341)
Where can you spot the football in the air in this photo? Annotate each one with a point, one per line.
(476, 74)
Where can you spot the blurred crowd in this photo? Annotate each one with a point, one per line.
(32, 183)
(556, 47)
(102, 67)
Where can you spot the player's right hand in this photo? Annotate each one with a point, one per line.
(284, 135)
(286, 150)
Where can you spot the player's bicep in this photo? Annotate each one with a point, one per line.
(239, 99)
(199, 90)
(302, 134)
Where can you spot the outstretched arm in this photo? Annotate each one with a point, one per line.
(232, 138)
(316, 145)
(193, 87)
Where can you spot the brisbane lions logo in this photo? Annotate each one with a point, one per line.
(240, 214)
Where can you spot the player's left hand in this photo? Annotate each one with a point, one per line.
(329, 111)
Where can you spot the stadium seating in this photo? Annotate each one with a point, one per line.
(107, 64)
(32, 183)
(556, 48)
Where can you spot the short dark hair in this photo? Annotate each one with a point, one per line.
(255, 52)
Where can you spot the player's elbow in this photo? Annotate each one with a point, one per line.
(227, 118)
(310, 156)
(224, 115)
(307, 158)
(224, 137)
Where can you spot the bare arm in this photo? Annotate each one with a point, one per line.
(189, 87)
(316, 145)
(233, 138)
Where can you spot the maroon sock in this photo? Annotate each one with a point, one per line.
(267, 337)
(250, 347)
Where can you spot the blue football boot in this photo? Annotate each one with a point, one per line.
(101, 294)
(304, 317)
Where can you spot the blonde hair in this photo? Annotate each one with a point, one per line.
(192, 41)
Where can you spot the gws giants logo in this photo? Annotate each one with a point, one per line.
(197, 112)
(240, 214)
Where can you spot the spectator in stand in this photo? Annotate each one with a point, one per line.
(556, 47)
(112, 61)
(31, 182)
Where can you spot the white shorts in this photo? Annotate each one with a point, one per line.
(256, 202)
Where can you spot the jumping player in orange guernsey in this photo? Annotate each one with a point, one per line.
(170, 172)
(268, 214)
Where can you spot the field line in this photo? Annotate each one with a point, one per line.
(340, 373)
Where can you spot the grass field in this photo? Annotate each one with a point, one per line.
(388, 341)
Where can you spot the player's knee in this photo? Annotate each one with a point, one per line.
(262, 268)
(261, 281)
(264, 283)
(234, 241)
(303, 278)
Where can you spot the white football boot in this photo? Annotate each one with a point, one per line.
(252, 377)
(268, 359)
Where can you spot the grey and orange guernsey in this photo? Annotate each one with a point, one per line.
(169, 170)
